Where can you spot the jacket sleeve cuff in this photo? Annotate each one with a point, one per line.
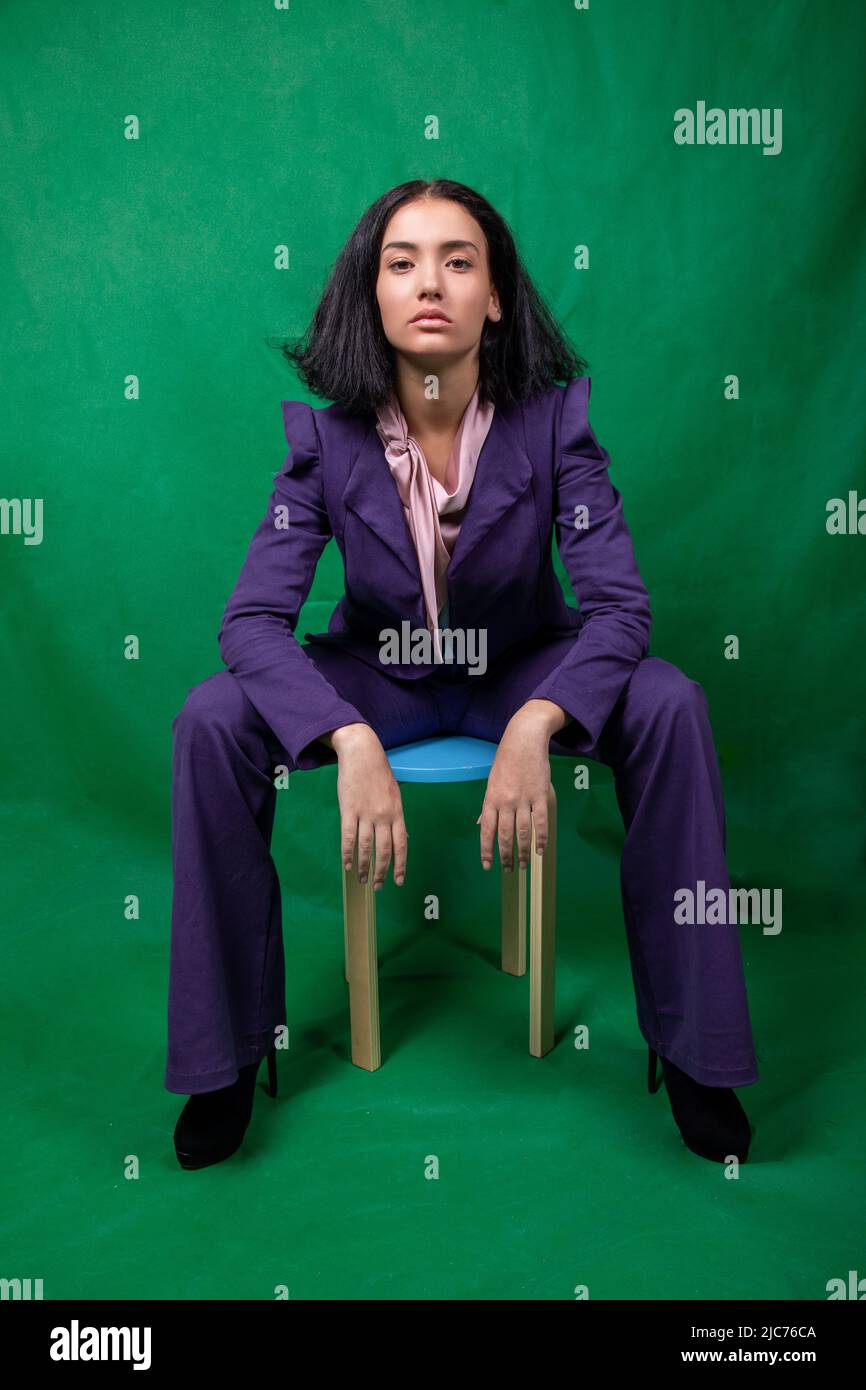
(587, 718)
(305, 750)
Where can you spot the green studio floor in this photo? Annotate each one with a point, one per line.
(554, 1173)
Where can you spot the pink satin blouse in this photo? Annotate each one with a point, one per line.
(433, 512)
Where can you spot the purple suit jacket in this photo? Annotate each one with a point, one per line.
(540, 461)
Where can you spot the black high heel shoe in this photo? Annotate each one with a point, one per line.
(711, 1119)
(212, 1125)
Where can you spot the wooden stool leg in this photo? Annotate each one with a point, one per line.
(345, 927)
(514, 920)
(362, 965)
(542, 937)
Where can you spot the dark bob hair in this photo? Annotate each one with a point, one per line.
(345, 356)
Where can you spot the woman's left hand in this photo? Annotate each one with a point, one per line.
(518, 788)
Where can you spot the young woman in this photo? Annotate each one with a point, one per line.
(449, 456)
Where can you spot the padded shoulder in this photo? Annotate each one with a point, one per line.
(575, 432)
(301, 436)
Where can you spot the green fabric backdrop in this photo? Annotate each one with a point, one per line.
(261, 127)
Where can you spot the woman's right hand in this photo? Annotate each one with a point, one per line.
(370, 804)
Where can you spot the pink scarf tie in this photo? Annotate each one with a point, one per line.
(425, 500)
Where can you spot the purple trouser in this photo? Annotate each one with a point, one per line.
(227, 968)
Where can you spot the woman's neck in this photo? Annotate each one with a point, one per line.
(435, 422)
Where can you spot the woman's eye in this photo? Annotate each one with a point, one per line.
(403, 261)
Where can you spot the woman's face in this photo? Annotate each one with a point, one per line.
(434, 256)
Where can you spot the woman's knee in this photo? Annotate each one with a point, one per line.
(215, 704)
(661, 687)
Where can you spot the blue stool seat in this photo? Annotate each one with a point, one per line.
(448, 758)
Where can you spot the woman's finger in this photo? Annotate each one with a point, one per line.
(506, 838)
(524, 833)
(349, 829)
(488, 831)
(365, 848)
(400, 837)
(383, 853)
(539, 818)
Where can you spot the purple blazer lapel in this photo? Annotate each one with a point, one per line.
(502, 475)
(372, 494)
